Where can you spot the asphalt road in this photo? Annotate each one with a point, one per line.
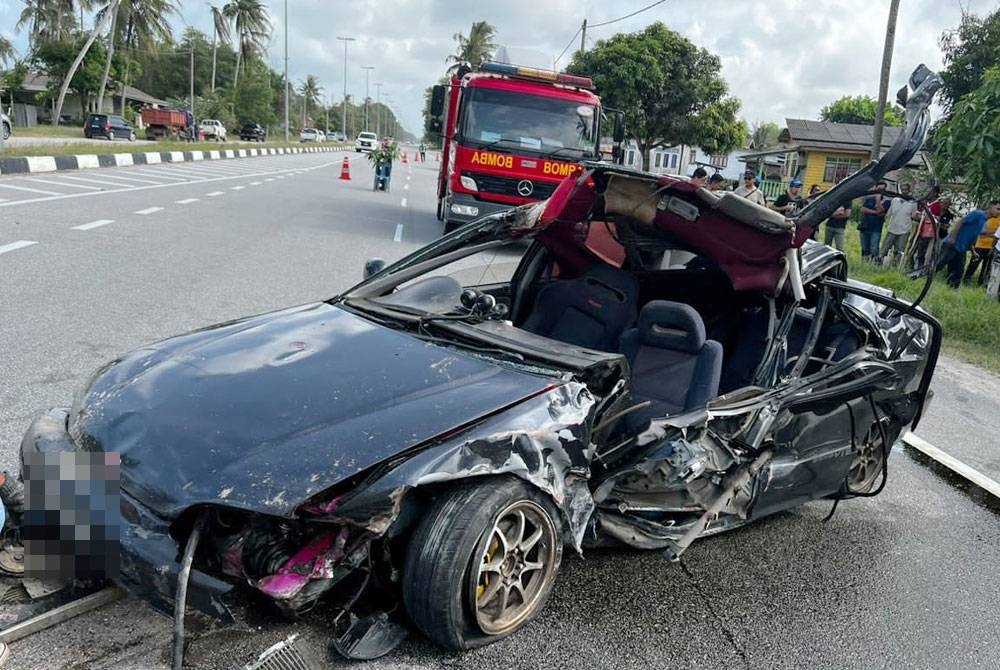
(907, 579)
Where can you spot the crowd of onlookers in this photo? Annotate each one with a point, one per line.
(895, 229)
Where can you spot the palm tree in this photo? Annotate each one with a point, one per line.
(221, 33)
(475, 48)
(98, 27)
(310, 90)
(140, 25)
(49, 19)
(252, 28)
(7, 53)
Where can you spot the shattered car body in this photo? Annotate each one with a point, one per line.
(332, 448)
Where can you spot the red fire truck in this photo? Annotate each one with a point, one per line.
(511, 134)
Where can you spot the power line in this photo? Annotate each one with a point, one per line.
(627, 16)
(571, 40)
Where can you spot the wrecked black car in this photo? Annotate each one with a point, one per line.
(634, 361)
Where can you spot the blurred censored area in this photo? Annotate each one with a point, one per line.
(72, 518)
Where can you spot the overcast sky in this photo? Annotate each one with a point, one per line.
(782, 58)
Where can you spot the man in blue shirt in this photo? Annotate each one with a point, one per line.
(872, 217)
(961, 238)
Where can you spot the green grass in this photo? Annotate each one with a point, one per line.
(970, 320)
(119, 147)
(49, 131)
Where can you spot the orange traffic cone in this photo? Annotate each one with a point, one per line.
(416, 156)
(345, 169)
(404, 158)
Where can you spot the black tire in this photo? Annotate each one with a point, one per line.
(447, 554)
(131, 137)
(6, 131)
(111, 136)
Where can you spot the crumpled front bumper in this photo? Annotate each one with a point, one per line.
(149, 556)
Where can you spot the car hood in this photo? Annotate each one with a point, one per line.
(264, 412)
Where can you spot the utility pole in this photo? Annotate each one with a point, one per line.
(378, 109)
(286, 71)
(194, 122)
(883, 86)
(367, 69)
(329, 102)
(345, 40)
(583, 36)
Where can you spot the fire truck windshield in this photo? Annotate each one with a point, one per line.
(532, 123)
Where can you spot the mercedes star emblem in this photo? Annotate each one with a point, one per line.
(525, 188)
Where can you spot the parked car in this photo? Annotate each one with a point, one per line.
(320, 136)
(212, 129)
(5, 121)
(541, 377)
(331, 136)
(109, 126)
(309, 135)
(366, 142)
(253, 132)
(338, 136)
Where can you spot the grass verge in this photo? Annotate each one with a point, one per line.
(125, 147)
(970, 320)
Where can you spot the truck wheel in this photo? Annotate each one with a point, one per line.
(482, 562)
(111, 136)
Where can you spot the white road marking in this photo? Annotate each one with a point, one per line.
(103, 182)
(403, 204)
(3, 199)
(149, 210)
(398, 237)
(238, 188)
(187, 201)
(215, 193)
(94, 224)
(136, 179)
(953, 464)
(128, 189)
(281, 176)
(269, 179)
(406, 187)
(256, 183)
(29, 190)
(52, 182)
(14, 246)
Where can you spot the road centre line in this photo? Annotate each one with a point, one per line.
(958, 467)
(187, 201)
(215, 193)
(398, 237)
(269, 179)
(61, 196)
(53, 182)
(238, 188)
(149, 210)
(29, 190)
(403, 203)
(14, 246)
(256, 183)
(94, 224)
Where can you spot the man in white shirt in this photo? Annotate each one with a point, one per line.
(750, 191)
(902, 211)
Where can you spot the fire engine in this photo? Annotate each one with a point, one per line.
(511, 134)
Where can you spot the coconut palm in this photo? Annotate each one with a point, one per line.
(7, 53)
(252, 27)
(50, 19)
(475, 48)
(139, 25)
(221, 33)
(98, 28)
(311, 91)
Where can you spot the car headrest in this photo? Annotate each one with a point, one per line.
(671, 325)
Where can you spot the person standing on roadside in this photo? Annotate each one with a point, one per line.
(902, 211)
(926, 229)
(960, 240)
(872, 219)
(750, 191)
(791, 200)
(698, 177)
(982, 252)
(715, 182)
(833, 235)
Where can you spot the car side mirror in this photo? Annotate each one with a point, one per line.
(902, 96)
(373, 266)
(437, 100)
(619, 133)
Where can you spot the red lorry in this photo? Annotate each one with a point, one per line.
(511, 134)
(166, 123)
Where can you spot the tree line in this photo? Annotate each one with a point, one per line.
(132, 42)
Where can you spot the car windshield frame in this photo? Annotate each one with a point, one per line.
(479, 100)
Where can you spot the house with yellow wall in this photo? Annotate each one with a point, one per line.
(820, 152)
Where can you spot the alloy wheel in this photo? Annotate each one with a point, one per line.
(868, 461)
(517, 565)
